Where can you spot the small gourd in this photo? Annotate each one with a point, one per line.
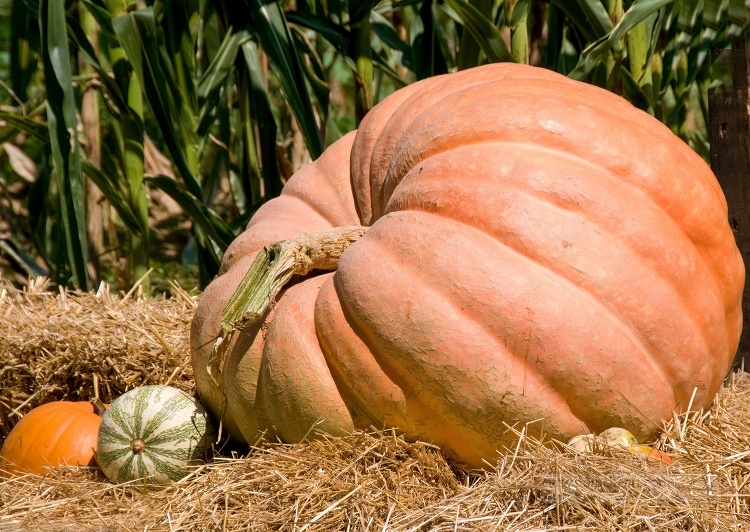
(158, 434)
(617, 437)
(583, 443)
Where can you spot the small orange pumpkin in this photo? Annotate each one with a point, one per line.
(54, 434)
(651, 454)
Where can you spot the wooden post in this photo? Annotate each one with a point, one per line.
(729, 134)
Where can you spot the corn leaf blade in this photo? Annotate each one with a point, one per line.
(205, 217)
(596, 52)
(62, 124)
(485, 33)
(137, 35)
(273, 31)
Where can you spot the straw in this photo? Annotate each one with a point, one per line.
(63, 345)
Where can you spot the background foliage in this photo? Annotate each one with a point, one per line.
(144, 134)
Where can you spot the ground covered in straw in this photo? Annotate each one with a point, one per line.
(75, 346)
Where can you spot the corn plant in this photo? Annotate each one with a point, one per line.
(105, 104)
(146, 68)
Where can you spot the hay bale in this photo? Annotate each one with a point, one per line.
(365, 481)
(73, 345)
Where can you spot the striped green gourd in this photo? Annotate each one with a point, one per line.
(158, 433)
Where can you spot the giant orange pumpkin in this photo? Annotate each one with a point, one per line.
(537, 249)
(50, 435)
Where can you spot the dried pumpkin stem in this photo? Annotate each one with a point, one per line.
(99, 408)
(137, 446)
(274, 267)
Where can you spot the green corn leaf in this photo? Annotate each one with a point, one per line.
(334, 33)
(215, 77)
(115, 99)
(469, 52)
(713, 13)
(428, 59)
(361, 9)
(218, 71)
(177, 65)
(397, 4)
(272, 29)
(208, 33)
(361, 52)
(592, 28)
(657, 28)
(596, 52)
(247, 121)
(519, 13)
(138, 37)
(260, 109)
(114, 194)
(132, 158)
(38, 207)
(62, 122)
(101, 14)
(443, 32)
(555, 25)
(57, 254)
(634, 92)
(381, 62)
(315, 73)
(690, 65)
(35, 128)
(228, 14)
(482, 29)
(669, 50)
(638, 46)
(22, 59)
(238, 224)
(215, 151)
(23, 259)
(133, 165)
(387, 33)
(698, 52)
(596, 15)
(520, 47)
(202, 215)
(178, 57)
(208, 257)
(339, 37)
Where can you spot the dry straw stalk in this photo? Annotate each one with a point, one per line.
(67, 345)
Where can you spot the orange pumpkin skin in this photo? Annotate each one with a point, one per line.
(317, 197)
(538, 248)
(53, 434)
(651, 454)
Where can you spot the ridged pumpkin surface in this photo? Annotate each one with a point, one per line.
(538, 248)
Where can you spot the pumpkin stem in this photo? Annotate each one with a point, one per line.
(98, 406)
(273, 268)
(137, 446)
